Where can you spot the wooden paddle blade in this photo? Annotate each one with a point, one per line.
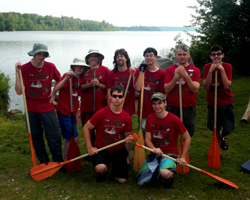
(73, 152)
(45, 170)
(139, 153)
(220, 179)
(180, 169)
(213, 160)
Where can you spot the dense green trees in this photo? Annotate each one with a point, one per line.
(29, 22)
(226, 23)
(5, 85)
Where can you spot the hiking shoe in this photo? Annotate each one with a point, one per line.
(168, 183)
(223, 144)
(101, 178)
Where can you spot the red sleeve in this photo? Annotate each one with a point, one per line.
(136, 74)
(167, 77)
(197, 75)
(56, 73)
(96, 118)
(229, 70)
(148, 125)
(66, 83)
(205, 70)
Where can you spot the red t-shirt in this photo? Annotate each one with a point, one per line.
(64, 106)
(87, 96)
(188, 97)
(38, 86)
(224, 96)
(121, 78)
(153, 82)
(164, 132)
(110, 127)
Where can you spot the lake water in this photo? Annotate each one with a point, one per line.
(65, 46)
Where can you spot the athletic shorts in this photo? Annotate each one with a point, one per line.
(117, 159)
(225, 117)
(65, 124)
(188, 117)
(150, 165)
(85, 116)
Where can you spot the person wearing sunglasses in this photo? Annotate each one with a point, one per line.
(162, 132)
(78, 69)
(225, 107)
(112, 124)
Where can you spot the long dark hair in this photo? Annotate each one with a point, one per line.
(122, 52)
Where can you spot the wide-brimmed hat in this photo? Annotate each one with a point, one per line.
(80, 62)
(159, 96)
(38, 47)
(91, 51)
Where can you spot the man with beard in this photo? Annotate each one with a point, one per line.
(190, 81)
(153, 82)
(112, 124)
(94, 85)
(119, 76)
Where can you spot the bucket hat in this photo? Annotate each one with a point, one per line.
(91, 51)
(38, 47)
(80, 62)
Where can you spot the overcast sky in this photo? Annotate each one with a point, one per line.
(118, 13)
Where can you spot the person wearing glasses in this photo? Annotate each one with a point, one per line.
(189, 75)
(120, 76)
(112, 124)
(37, 79)
(78, 70)
(93, 93)
(153, 82)
(225, 108)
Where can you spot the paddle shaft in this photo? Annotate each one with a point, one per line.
(142, 95)
(215, 98)
(180, 99)
(94, 94)
(128, 83)
(71, 107)
(27, 118)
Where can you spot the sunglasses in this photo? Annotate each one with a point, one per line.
(115, 96)
(216, 54)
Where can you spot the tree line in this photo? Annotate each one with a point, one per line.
(13, 21)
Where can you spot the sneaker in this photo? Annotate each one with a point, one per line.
(101, 178)
(223, 144)
(63, 170)
(168, 183)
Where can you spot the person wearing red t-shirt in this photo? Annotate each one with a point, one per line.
(153, 82)
(37, 78)
(162, 132)
(225, 108)
(112, 124)
(93, 85)
(63, 107)
(190, 81)
(119, 76)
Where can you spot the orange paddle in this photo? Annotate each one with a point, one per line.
(139, 153)
(180, 169)
(200, 170)
(128, 83)
(214, 149)
(45, 170)
(27, 118)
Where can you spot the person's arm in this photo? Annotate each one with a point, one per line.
(149, 143)
(87, 135)
(208, 80)
(187, 141)
(226, 82)
(18, 86)
(138, 83)
(168, 87)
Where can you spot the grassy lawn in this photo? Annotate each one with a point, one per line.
(16, 162)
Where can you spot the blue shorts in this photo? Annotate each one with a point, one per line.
(65, 124)
(151, 163)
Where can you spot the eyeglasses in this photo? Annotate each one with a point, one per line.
(149, 55)
(216, 54)
(115, 96)
(93, 56)
(120, 56)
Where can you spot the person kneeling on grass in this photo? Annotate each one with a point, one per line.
(162, 131)
(112, 124)
(63, 107)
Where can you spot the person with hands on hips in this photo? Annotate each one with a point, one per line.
(112, 124)
(162, 131)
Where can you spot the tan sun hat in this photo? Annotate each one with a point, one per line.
(38, 47)
(80, 62)
(91, 51)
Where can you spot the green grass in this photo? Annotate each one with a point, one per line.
(16, 162)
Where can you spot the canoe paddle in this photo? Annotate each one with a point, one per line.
(45, 170)
(190, 166)
(27, 118)
(139, 153)
(180, 169)
(213, 160)
(73, 150)
(128, 83)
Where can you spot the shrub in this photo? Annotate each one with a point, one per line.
(5, 85)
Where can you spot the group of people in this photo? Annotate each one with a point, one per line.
(106, 109)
